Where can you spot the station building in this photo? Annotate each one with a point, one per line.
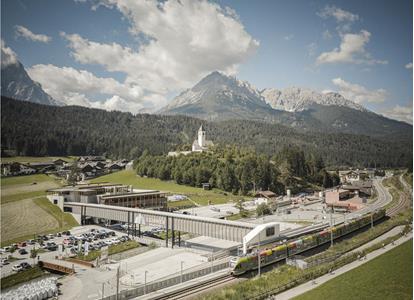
(108, 194)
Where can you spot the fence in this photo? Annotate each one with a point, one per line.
(171, 280)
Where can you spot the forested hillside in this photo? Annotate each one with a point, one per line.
(239, 170)
(33, 129)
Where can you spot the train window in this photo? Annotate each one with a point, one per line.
(270, 231)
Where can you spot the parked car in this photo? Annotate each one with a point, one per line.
(25, 265)
(52, 248)
(4, 261)
(17, 268)
(22, 251)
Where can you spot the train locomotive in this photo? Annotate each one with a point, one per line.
(249, 262)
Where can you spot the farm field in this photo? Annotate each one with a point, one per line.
(198, 195)
(32, 159)
(25, 211)
(388, 276)
(24, 187)
(23, 218)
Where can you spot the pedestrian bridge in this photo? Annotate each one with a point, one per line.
(216, 228)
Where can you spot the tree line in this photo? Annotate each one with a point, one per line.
(39, 130)
(239, 170)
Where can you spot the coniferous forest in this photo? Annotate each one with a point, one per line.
(39, 130)
(239, 170)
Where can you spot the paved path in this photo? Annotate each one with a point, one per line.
(296, 291)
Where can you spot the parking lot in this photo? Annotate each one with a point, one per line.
(94, 236)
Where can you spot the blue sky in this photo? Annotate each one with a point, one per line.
(134, 55)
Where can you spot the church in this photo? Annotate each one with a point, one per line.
(199, 145)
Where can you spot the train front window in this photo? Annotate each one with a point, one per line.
(270, 231)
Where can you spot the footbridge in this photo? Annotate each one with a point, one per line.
(216, 228)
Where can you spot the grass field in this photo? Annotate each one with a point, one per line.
(24, 187)
(24, 218)
(25, 211)
(32, 159)
(198, 195)
(388, 276)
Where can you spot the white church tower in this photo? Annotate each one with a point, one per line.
(201, 137)
(201, 143)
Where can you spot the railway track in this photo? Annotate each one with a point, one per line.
(200, 287)
(402, 204)
(203, 286)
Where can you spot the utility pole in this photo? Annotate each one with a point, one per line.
(103, 289)
(330, 216)
(258, 256)
(182, 271)
(372, 218)
(212, 262)
(117, 283)
(145, 282)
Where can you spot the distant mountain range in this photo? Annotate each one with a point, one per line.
(219, 97)
(296, 99)
(17, 84)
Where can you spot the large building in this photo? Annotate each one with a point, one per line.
(350, 176)
(108, 194)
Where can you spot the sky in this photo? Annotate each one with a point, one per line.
(135, 56)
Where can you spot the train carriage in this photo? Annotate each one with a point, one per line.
(241, 265)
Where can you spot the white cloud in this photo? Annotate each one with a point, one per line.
(409, 65)
(288, 37)
(400, 113)
(8, 57)
(351, 50)
(339, 14)
(118, 103)
(186, 41)
(22, 31)
(359, 93)
(75, 87)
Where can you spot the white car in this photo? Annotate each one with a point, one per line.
(115, 241)
(109, 242)
(17, 268)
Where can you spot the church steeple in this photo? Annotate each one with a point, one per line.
(201, 136)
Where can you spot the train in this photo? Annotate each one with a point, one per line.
(243, 264)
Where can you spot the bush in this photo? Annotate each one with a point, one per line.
(263, 209)
(21, 276)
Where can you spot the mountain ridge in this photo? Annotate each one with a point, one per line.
(219, 97)
(17, 84)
